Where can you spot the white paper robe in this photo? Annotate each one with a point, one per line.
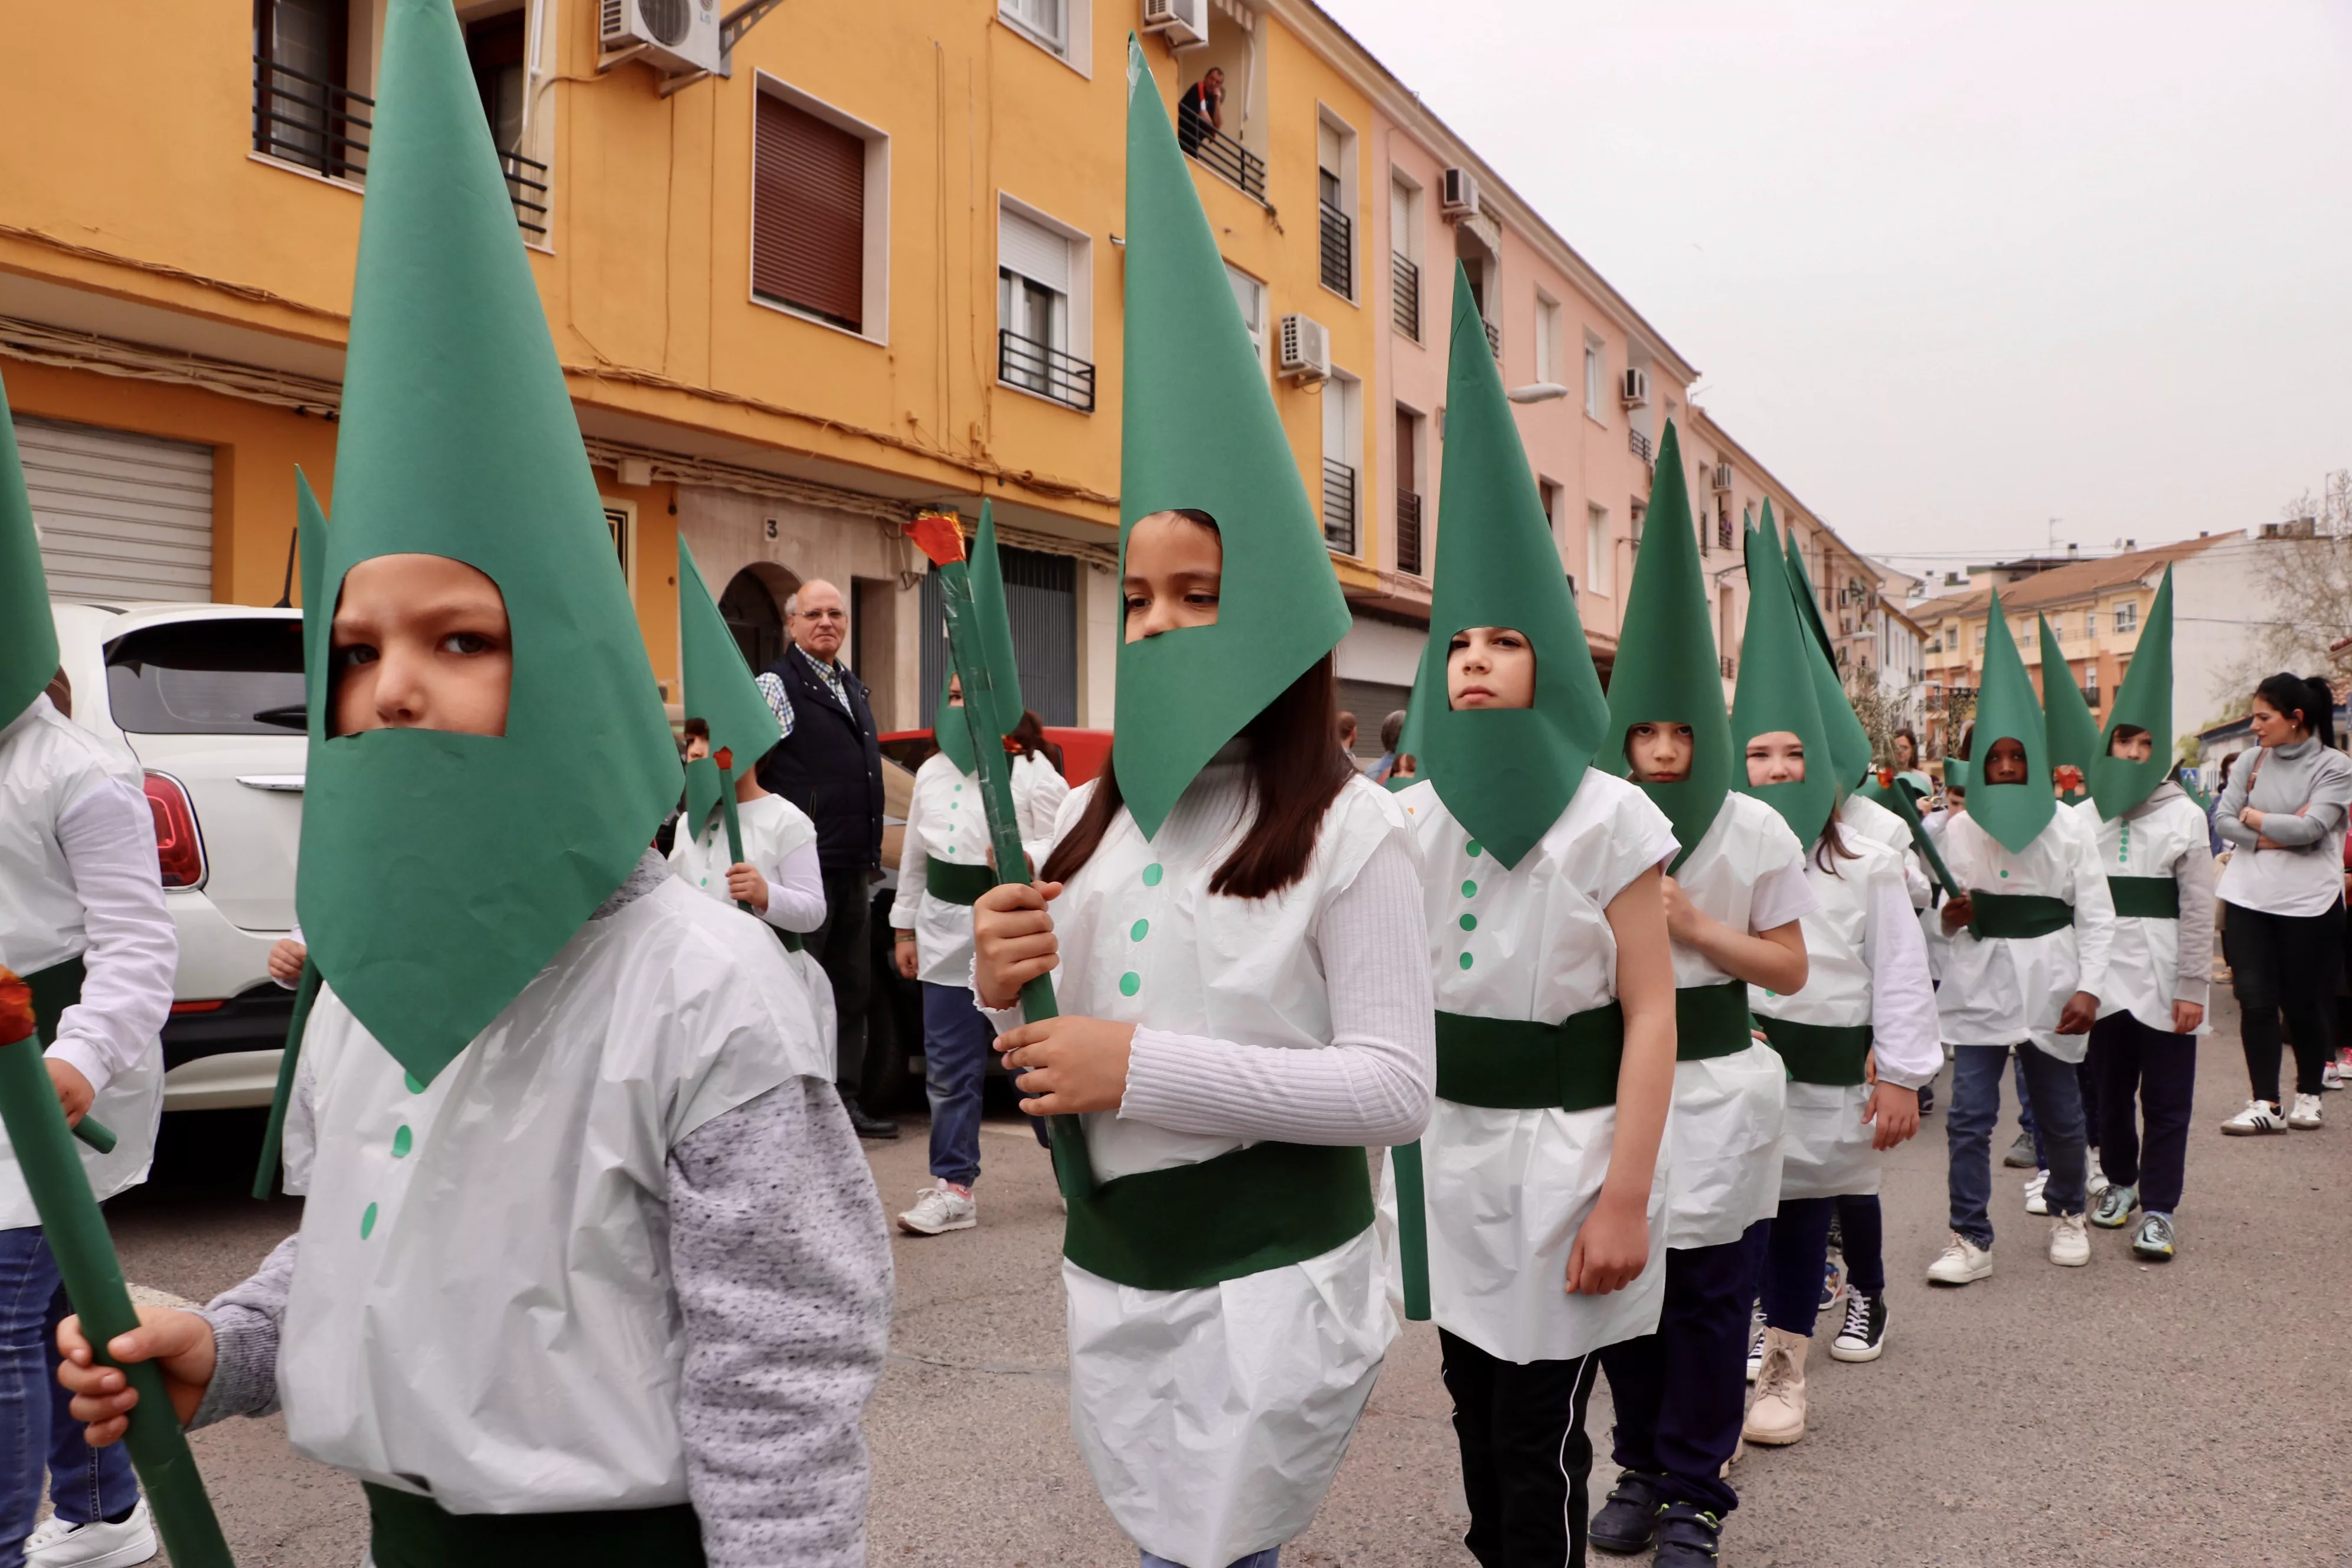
(1862, 816)
(2009, 990)
(1506, 1191)
(945, 821)
(1724, 1129)
(482, 1309)
(773, 828)
(2144, 964)
(46, 764)
(1214, 1419)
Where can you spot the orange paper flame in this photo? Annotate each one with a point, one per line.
(2070, 778)
(938, 534)
(725, 758)
(16, 1008)
(1886, 778)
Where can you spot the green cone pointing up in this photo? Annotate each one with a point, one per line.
(958, 730)
(2073, 728)
(2145, 702)
(1666, 664)
(1199, 430)
(717, 687)
(1507, 773)
(29, 637)
(440, 872)
(1777, 691)
(2007, 709)
(1849, 740)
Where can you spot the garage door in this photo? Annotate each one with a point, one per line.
(1041, 600)
(120, 516)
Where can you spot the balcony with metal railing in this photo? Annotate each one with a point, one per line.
(1408, 533)
(526, 188)
(1640, 445)
(1495, 341)
(1339, 506)
(1046, 371)
(1221, 155)
(1338, 250)
(1404, 290)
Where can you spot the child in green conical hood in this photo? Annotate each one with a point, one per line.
(2160, 865)
(1538, 1211)
(539, 1070)
(2073, 730)
(82, 917)
(1734, 903)
(1242, 974)
(2024, 961)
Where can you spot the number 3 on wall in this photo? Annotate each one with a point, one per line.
(771, 528)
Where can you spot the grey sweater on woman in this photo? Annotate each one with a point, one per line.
(2285, 780)
(782, 1264)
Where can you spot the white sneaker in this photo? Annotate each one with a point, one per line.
(2035, 1203)
(56, 1544)
(2094, 1181)
(2305, 1117)
(2331, 1076)
(2260, 1116)
(1962, 1262)
(1755, 1340)
(940, 1208)
(2069, 1241)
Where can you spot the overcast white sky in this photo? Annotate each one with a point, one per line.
(1951, 270)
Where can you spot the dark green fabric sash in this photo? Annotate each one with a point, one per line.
(2018, 915)
(1711, 1021)
(2145, 897)
(1819, 1053)
(1511, 1064)
(956, 884)
(55, 989)
(1190, 1227)
(410, 1531)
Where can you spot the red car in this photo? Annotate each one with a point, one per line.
(1083, 751)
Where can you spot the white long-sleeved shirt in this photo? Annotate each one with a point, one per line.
(778, 842)
(109, 838)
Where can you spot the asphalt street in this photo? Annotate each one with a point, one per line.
(2198, 1412)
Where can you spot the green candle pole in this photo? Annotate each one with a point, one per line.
(730, 817)
(273, 1136)
(77, 1235)
(1910, 815)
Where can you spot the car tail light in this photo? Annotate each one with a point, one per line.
(180, 1008)
(178, 850)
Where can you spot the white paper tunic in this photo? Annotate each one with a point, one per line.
(1861, 816)
(2144, 964)
(2009, 990)
(1214, 1419)
(773, 828)
(946, 821)
(1506, 1191)
(483, 1311)
(49, 766)
(1725, 1132)
(1865, 962)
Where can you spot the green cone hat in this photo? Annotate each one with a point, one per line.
(1777, 691)
(440, 872)
(2145, 701)
(1199, 430)
(310, 553)
(959, 730)
(717, 687)
(29, 636)
(1850, 752)
(2007, 709)
(1666, 665)
(2067, 716)
(1505, 773)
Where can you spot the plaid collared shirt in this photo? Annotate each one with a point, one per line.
(780, 701)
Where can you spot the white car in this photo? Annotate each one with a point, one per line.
(209, 699)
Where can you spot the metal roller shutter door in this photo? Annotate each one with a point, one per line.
(1040, 601)
(120, 516)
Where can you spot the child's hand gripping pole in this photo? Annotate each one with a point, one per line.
(725, 758)
(76, 1234)
(940, 539)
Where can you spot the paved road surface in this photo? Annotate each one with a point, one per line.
(2122, 1414)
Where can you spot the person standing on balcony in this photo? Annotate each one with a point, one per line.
(1201, 109)
(829, 763)
(82, 918)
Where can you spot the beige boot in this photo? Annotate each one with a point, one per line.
(1777, 1416)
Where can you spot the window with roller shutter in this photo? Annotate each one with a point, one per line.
(808, 215)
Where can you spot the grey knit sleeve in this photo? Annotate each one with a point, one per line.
(783, 1268)
(2197, 877)
(244, 1320)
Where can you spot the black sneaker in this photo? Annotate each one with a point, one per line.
(1926, 1098)
(1628, 1521)
(869, 1126)
(1863, 1334)
(2020, 1154)
(1688, 1537)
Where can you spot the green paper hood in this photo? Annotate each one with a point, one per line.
(1777, 691)
(28, 635)
(2145, 701)
(2007, 709)
(717, 687)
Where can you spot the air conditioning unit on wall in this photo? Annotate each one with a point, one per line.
(676, 36)
(1635, 391)
(1184, 23)
(1458, 197)
(1305, 349)
(1721, 483)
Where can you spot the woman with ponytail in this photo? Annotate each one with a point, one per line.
(2285, 813)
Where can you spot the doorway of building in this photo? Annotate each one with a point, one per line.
(755, 616)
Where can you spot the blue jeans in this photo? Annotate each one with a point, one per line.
(1255, 1560)
(1976, 1107)
(35, 1426)
(957, 1043)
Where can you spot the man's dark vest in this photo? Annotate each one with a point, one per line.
(830, 766)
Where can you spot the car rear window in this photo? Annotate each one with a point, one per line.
(221, 675)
